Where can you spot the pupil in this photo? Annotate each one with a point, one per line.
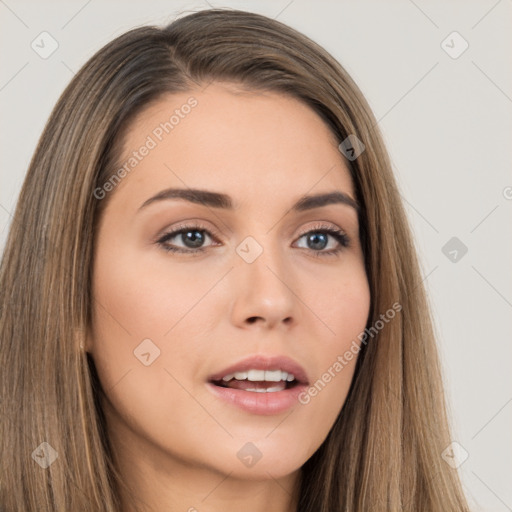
(193, 238)
(318, 240)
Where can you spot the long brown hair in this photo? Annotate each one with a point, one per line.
(384, 450)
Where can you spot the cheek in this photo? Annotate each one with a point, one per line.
(347, 307)
(141, 314)
(145, 299)
(342, 303)
(143, 308)
(343, 308)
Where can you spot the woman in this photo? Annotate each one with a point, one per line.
(210, 296)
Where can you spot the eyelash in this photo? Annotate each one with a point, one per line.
(339, 235)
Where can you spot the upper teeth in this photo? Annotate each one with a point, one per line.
(261, 375)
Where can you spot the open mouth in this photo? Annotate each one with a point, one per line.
(258, 381)
(260, 385)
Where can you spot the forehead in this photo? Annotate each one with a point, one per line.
(257, 145)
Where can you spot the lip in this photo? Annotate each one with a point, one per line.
(261, 403)
(264, 404)
(262, 362)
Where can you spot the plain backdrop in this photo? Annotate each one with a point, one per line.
(446, 119)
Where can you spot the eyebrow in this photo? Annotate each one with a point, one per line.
(219, 200)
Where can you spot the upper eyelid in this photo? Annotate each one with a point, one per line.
(201, 227)
(322, 225)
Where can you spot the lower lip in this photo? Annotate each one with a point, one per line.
(266, 404)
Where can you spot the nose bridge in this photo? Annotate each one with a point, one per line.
(262, 258)
(263, 277)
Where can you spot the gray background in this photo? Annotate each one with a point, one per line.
(447, 123)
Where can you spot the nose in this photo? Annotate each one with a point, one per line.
(263, 293)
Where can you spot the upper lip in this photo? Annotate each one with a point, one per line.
(262, 362)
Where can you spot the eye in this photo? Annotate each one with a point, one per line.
(325, 237)
(193, 239)
(186, 239)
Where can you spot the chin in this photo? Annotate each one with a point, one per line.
(262, 458)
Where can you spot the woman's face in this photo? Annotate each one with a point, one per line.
(253, 273)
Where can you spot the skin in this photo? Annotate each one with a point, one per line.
(176, 444)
